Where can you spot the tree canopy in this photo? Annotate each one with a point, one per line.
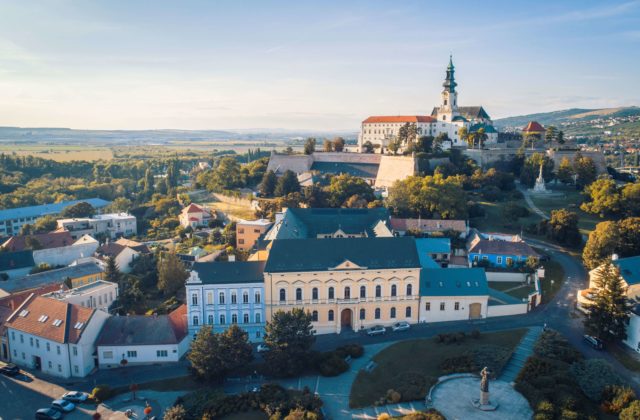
(171, 273)
(429, 197)
(612, 237)
(289, 336)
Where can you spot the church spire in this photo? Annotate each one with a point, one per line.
(449, 81)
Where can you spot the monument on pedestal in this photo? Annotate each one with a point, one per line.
(484, 403)
(540, 188)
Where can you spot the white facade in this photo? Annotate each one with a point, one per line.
(99, 295)
(110, 356)
(54, 358)
(125, 258)
(220, 305)
(633, 332)
(65, 255)
(111, 224)
(452, 308)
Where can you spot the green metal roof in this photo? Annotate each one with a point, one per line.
(362, 170)
(453, 282)
(292, 255)
(225, 272)
(487, 128)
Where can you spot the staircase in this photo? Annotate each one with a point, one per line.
(520, 355)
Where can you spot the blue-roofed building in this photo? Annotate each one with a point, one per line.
(453, 294)
(12, 220)
(437, 250)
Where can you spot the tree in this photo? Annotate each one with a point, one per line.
(632, 412)
(111, 272)
(429, 196)
(268, 184)
(309, 146)
(289, 336)
(563, 227)
(608, 313)
(288, 183)
(338, 144)
(171, 273)
(531, 169)
(204, 355)
(177, 412)
(229, 234)
(424, 144)
(120, 205)
(327, 145)
(235, 348)
(394, 145)
(226, 176)
(630, 199)
(367, 147)
(30, 242)
(565, 171)
(604, 198)
(78, 210)
(551, 133)
(463, 134)
(344, 186)
(149, 184)
(585, 169)
(439, 141)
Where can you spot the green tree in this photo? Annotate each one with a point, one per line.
(621, 237)
(367, 147)
(177, 412)
(563, 227)
(78, 210)
(171, 273)
(585, 169)
(309, 145)
(235, 348)
(30, 242)
(149, 183)
(229, 234)
(632, 412)
(120, 205)
(565, 171)
(268, 184)
(429, 196)
(604, 198)
(608, 312)
(439, 141)
(204, 356)
(327, 145)
(531, 169)
(424, 144)
(289, 336)
(344, 186)
(226, 176)
(394, 145)
(111, 272)
(288, 183)
(551, 133)
(338, 144)
(630, 199)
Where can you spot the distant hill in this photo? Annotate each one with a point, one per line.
(582, 122)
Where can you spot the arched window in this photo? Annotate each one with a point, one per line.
(298, 294)
(331, 315)
(210, 320)
(347, 292)
(245, 318)
(283, 295)
(363, 292)
(394, 290)
(314, 316)
(221, 298)
(234, 298)
(245, 297)
(393, 313)
(257, 297)
(331, 293)
(409, 289)
(194, 299)
(196, 320)
(258, 318)
(314, 293)
(223, 320)
(209, 298)
(363, 314)
(378, 291)
(234, 318)
(407, 312)
(377, 313)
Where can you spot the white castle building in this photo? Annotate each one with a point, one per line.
(447, 118)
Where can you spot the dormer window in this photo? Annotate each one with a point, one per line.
(57, 322)
(43, 318)
(23, 313)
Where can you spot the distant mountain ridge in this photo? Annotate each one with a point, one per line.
(567, 115)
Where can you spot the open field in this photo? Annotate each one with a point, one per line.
(571, 201)
(58, 152)
(419, 357)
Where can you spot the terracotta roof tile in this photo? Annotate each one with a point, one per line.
(399, 119)
(46, 241)
(533, 127)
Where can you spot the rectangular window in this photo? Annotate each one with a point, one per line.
(58, 349)
(257, 298)
(37, 343)
(48, 347)
(31, 341)
(475, 258)
(442, 306)
(499, 260)
(75, 351)
(59, 368)
(132, 353)
(427, 306)
(23, 356)
(209, 298)
(456, 306)
(50, 365)
(162, 353)
(21, 338)
(75, 369)
(107, 355)
(194, 299)
(485, 258)
(241, 241)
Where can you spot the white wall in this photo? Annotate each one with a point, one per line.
(64, 255)
(86, 344)
(503, 310)
(145, 354)
(493, 276)
(633, 333)
(450, 313)
(125, 258)
(24, 347)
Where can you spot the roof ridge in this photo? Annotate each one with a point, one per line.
(19, 308)
(67, 321)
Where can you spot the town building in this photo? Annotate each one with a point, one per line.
(401, 226)
(38, 241)
(111, 225)
(195, 216)
(344, 283)
(99, 294)
(453, 294)
(535, 130)
(123, 251)
(143, 340)
(248, 232)
(84, 247)
(54, 337)
(447, 118)
(221, 293)
(76, 275)
(498, 250)
(12, 220)
(436, 249)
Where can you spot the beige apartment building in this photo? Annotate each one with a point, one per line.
(248, 232)
(351, 283)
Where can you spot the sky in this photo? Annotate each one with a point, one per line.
(325, 65)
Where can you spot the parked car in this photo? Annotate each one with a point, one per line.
(376, 330)
(63, 406)
(75, 396)
(48, 414)
(10, 369)
(594, 342)
(401, 326)
(263, 348)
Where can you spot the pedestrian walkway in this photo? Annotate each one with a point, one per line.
(530, 203)
(520, 355)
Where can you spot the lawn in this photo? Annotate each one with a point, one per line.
(553, 279)
(571, 201)
(180, 383)
(516, 289)
(422, 357)
(494, 221)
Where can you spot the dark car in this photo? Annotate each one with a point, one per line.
(10, 370)
(48, 414)
(594, 342)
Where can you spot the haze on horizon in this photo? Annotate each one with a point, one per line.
(306, 65)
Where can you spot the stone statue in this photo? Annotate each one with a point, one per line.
(484, 382)
(483, 403)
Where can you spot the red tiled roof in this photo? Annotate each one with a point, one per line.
(46, 241)
(533, 127)
(16, 299)
(399, 119)
(193, 208)
(178, 321)
(38, 306)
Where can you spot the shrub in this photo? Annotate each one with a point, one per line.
(430, 414)
(535, 367)
(384, 416)
(177, 412)
(593, 376)
(632, 412)
(333, 365)
(411, 386)
(475, 334)
(354, 350)
(101, 393)
(492, 356)
(554, 346)
(616, 398)
(393, 396)
(457, 364)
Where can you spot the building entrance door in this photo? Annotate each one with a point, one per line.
(345, 318)
(475, 311)
(37, 363)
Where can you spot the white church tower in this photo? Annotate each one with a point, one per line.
(449, 106)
